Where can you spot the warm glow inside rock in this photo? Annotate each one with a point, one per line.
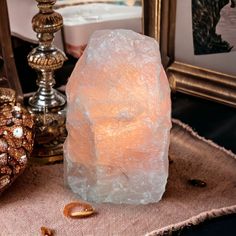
(118, 120)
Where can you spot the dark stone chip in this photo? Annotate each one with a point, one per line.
(197, 183)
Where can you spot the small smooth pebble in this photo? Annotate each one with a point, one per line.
(78, 210)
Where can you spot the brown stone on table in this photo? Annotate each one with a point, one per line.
(78, 210)
(197, 183)
(46, 231)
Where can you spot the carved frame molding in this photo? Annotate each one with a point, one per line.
(159, 21)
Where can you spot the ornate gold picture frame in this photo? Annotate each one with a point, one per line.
(160, 23)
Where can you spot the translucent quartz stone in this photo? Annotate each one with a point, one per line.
(118, 120)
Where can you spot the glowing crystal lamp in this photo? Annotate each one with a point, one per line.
(118, 120)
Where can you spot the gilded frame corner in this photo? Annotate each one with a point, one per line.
(159, 22)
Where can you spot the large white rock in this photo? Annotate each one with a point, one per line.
(118, 120)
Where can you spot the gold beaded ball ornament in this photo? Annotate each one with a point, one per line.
(16, 138)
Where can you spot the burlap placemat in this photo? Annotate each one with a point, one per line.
(38, 197)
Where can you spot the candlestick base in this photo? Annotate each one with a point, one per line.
(50, 134)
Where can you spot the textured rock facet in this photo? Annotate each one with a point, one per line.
(118, 120)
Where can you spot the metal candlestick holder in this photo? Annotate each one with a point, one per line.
(47, 104)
